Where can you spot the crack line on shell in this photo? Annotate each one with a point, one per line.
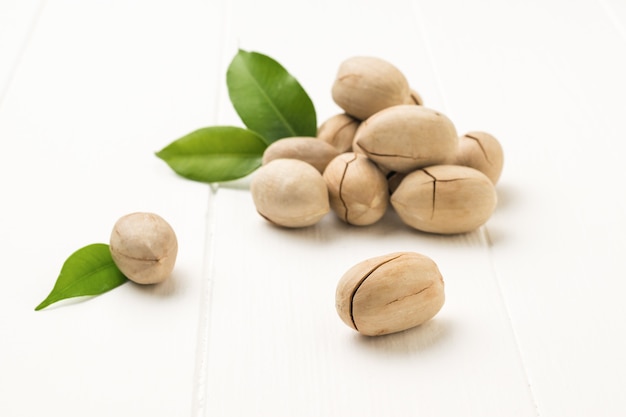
(408, 295)
(480, 145)
(435, 180)
(415, 158)
(356, 288)
(343, 177)
(345, 125)
(134, 258)
(432, 214)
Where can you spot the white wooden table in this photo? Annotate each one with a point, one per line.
(534, 322)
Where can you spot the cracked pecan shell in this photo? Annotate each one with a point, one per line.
(406, 137)
(390, 293)
(445, 199)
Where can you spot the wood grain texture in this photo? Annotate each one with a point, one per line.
(290, 354)
(100, 87)
(533, 320)
(277, 340)
(553, 97)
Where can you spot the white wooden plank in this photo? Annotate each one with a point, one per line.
(533, 319)
(277, 341)
(275, 338)
(102, 86)
(546, 77)
(17, 19)
(616, 13)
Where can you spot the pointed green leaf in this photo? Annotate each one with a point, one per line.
(268, 99)
(88, 271)
(214, 154)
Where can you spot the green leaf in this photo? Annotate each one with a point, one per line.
(214, 154)
(88, 271)
(268, 99)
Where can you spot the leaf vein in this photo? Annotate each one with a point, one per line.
(270, 103)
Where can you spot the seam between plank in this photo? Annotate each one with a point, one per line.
(505, 307)
(614, 19)
(200, 386)
(421, 28)
(201, 395)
